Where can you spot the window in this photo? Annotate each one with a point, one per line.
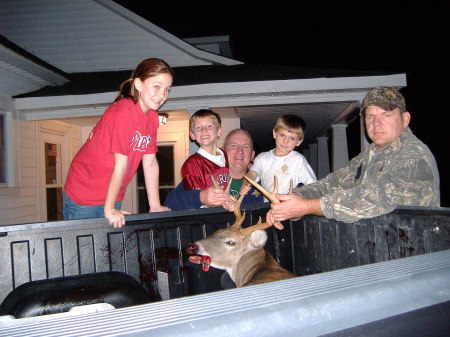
(2, 148)
(165, 156)
(53, 181)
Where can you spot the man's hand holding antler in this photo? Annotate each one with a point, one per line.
(291, 206)
(213, 196)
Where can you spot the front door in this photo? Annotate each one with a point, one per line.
(51, 149)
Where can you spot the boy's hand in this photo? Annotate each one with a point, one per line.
(230, 204)
(245, 188)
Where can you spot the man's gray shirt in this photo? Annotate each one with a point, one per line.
(376, 181)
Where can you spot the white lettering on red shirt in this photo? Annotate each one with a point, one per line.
(140, 142)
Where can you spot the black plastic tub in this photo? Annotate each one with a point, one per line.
(53, 296)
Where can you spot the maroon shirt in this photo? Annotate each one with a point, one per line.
(197, 171)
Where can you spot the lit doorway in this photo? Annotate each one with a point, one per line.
(52, 149)
(165, 157)
(172, 152)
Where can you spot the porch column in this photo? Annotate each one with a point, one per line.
(305, 153)
(363, 137)
(313, 157)
(340, 149)
(323, 161)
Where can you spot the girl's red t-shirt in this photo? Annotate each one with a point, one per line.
(123, 128)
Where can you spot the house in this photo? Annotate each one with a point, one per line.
(61, 63)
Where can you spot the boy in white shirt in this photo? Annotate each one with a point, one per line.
(283, 162)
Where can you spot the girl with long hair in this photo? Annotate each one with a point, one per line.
(123, 136)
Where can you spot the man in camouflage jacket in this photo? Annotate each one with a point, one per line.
(396, 169)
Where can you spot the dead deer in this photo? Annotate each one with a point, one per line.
(240, 252)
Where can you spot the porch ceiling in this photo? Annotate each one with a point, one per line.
(260, 120)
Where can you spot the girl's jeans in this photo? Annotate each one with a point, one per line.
(73, 211)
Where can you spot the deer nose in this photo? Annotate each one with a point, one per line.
(192, 249)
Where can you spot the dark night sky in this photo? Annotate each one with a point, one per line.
(379, 35)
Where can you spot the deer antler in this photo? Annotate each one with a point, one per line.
(269, 195)
(237, 208)
(237, 213)
(259, 225)
(216, 184)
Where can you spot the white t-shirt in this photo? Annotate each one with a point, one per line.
(219, 159)
(292, 166)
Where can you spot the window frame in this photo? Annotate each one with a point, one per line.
(9, 143)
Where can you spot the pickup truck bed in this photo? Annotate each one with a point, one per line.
(352, 274)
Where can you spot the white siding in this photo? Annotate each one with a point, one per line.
(20, 204)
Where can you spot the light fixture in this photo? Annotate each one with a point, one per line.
(163, 117)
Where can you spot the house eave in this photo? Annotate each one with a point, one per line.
(216, 95)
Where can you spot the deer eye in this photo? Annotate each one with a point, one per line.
(231, 243)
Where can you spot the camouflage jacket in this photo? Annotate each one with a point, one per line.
(376, 181)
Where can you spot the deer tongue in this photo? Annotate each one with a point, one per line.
(205, 261)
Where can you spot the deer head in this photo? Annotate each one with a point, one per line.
(225, 247)
(240, 251)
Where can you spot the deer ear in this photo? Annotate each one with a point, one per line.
(258, 238)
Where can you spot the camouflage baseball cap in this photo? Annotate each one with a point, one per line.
(385, 98)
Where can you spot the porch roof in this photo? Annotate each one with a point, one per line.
(109, 81)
